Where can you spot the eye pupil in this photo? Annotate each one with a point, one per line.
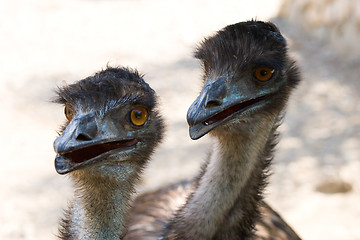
(138, 114)
(263, 72)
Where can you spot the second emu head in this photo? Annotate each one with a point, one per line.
(248, 77)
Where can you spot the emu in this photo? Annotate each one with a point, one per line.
(112, 129)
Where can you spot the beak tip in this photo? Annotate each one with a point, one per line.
(60, 165)
(193, 137)
(194, 133)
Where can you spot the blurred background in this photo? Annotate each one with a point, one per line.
(47, 43)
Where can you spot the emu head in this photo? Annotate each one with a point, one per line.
(111, 119)
(248, 77)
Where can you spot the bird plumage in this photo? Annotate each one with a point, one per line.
(112, 129)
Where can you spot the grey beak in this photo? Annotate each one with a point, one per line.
(79, 132)
(209, 102)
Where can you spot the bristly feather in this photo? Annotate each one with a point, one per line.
(237, 45)
(111, 83)
(64, 225)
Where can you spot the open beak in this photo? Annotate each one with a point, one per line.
(86, 139)
(218, 102)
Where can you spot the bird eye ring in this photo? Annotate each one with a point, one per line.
(263, 73)
(138, 116)
(69, 112)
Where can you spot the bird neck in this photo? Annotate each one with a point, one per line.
(229, 188)
(101, 204)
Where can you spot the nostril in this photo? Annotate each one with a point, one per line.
(213, 103)
(87, 128)
(83, 137)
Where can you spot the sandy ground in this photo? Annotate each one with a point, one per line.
(44, 43)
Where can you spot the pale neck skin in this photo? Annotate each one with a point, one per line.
(231, 165)
(101, 204)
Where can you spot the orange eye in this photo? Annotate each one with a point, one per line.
(138, 116)
(263, 73)
(69, 113)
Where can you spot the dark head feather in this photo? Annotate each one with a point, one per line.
(238, 45)
(111, 84)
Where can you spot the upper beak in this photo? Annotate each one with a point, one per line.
(79, 131)
(219, 101)
(84, 139)
(209, 102)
